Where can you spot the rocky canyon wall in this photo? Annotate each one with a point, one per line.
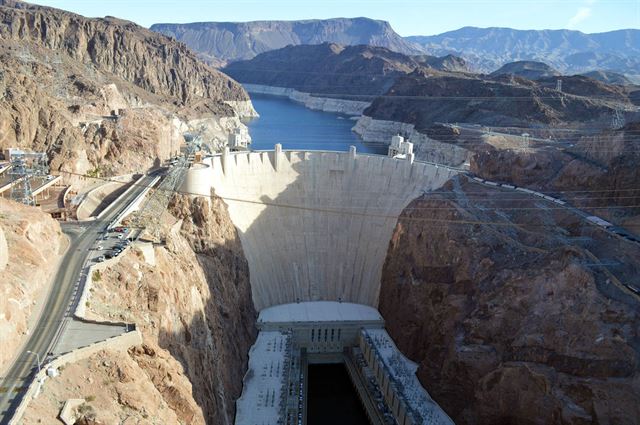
(501, 302)
(31, 244)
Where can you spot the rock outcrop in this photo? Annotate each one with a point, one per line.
(598, 171)
(425, 97)
(501, 300)
(31, 244)
(104, 96)
(223, 42)
(144, 386)
(531, 70)
(145, 58)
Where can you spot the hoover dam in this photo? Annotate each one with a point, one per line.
(315, 227)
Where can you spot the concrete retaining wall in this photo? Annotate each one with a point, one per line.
(326, 104)
(89, 205)
(118, 343)
(425, 148)
(316, 225)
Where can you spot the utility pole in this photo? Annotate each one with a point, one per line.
(526, 140)
(38, 360)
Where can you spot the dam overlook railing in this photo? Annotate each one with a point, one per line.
(314, 225)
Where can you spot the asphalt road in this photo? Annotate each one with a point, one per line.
(62, 296)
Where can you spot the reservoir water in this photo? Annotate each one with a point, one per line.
(296, 127)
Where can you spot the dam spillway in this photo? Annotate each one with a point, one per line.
(314, 225)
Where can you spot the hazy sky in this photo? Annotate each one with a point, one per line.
(408, 17)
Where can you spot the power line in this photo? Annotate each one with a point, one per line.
(367, 214)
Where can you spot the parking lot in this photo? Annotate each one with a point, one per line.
(111, 244)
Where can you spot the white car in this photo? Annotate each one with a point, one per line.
(100, 259)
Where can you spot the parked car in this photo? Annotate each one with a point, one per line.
(100, 259)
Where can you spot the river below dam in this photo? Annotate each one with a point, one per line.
(296, 127)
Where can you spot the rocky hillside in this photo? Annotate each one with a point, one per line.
(231, 41)
(530, 70)
(609, 77)
(333, 69)
(423, 98)
(31, 244)
(191, 300)
(444, 63)
(135, 54)
(325, 69)
(514, 322)
(571, 52)
(605, 162)
(103, 96)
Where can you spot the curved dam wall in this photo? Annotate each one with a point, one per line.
(314, 225)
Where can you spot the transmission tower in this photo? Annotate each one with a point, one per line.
(21, 173)
(24, 55)
(60, 83)
(21, 189)
(617, 120)
(559, 85)
(148, 217)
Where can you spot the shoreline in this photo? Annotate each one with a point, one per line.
(325, 104)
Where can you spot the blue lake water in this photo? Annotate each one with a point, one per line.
(296, 127)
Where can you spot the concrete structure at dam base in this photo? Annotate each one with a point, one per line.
(295, 335)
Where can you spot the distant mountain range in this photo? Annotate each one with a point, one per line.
(232, 41)
(483, 49)
(570, 52)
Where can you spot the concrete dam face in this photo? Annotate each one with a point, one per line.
(314, 225)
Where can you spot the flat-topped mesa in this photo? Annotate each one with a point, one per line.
(314, 225)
